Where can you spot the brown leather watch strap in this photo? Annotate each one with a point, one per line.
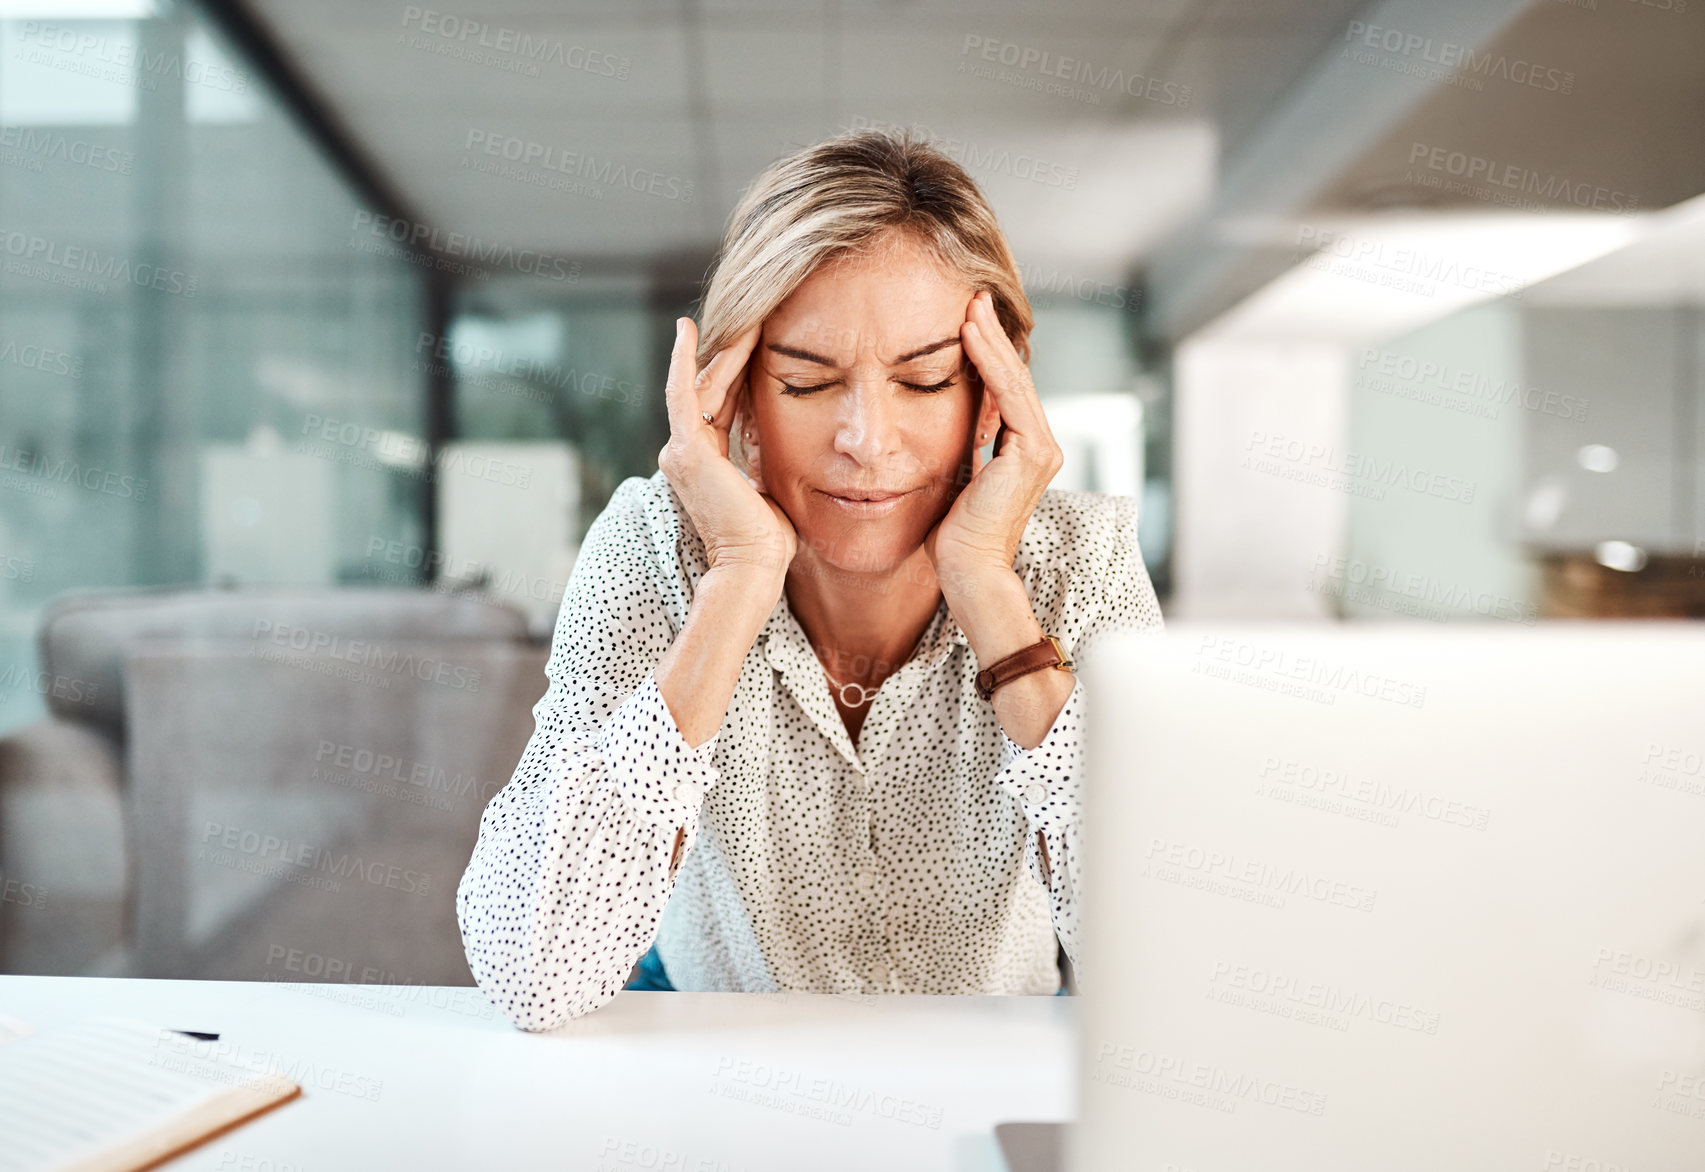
(1047, 652)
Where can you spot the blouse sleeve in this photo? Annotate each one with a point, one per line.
(573, 866)
(1048, 780)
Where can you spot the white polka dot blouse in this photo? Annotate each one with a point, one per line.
(908, 864)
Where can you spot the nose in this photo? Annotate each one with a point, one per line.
(868, 428)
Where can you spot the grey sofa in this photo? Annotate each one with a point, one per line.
(263, 784)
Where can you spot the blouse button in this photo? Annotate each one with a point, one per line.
(685, 792)
(865, 880)
(1035, 793)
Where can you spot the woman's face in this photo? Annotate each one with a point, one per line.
(862, 335)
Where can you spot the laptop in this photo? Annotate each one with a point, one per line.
(1391, 897)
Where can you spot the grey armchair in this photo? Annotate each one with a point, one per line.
(279, 783)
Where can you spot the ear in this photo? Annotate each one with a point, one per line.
(754, 456)
(988, 419)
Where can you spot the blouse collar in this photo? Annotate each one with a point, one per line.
(782, 631)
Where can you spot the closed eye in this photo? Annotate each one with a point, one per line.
(788, 388)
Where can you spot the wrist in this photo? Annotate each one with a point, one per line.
(993, 609)
(966, 583)
(744, 585)
(742, 594)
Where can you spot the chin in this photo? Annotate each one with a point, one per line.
(864, 547)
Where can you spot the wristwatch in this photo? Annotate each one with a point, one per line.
(1044, 653)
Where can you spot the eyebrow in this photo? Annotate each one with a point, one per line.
(795, 352)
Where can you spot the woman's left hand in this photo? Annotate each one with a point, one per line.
(981, 531)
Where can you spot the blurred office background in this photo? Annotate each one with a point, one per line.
(326, 329)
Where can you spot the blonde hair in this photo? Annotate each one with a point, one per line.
(843, 198)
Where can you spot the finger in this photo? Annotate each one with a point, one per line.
(678, 394)
(1018, 371)
(983, 313)
(1015, 397)
(722, 374)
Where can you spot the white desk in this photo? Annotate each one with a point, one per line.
(419, 1078)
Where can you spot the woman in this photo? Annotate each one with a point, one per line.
(764, 746)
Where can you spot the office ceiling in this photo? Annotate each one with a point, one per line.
(1612, 119)
(715, 91)
(1240, 108)
(1560, 107)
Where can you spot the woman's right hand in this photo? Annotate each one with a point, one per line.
(740, 524)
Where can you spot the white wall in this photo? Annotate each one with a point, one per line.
(1250, 523)
(1447, 401)
(507, 509)
(1378, 481)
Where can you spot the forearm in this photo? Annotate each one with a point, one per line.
(572, 868)
(559, 895)
(699, 672)
(993, 610)
(1047, 783)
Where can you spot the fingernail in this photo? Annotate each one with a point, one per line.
(680, 327)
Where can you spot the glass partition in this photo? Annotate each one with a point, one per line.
(205, 375)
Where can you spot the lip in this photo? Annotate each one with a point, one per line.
(869, 508)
